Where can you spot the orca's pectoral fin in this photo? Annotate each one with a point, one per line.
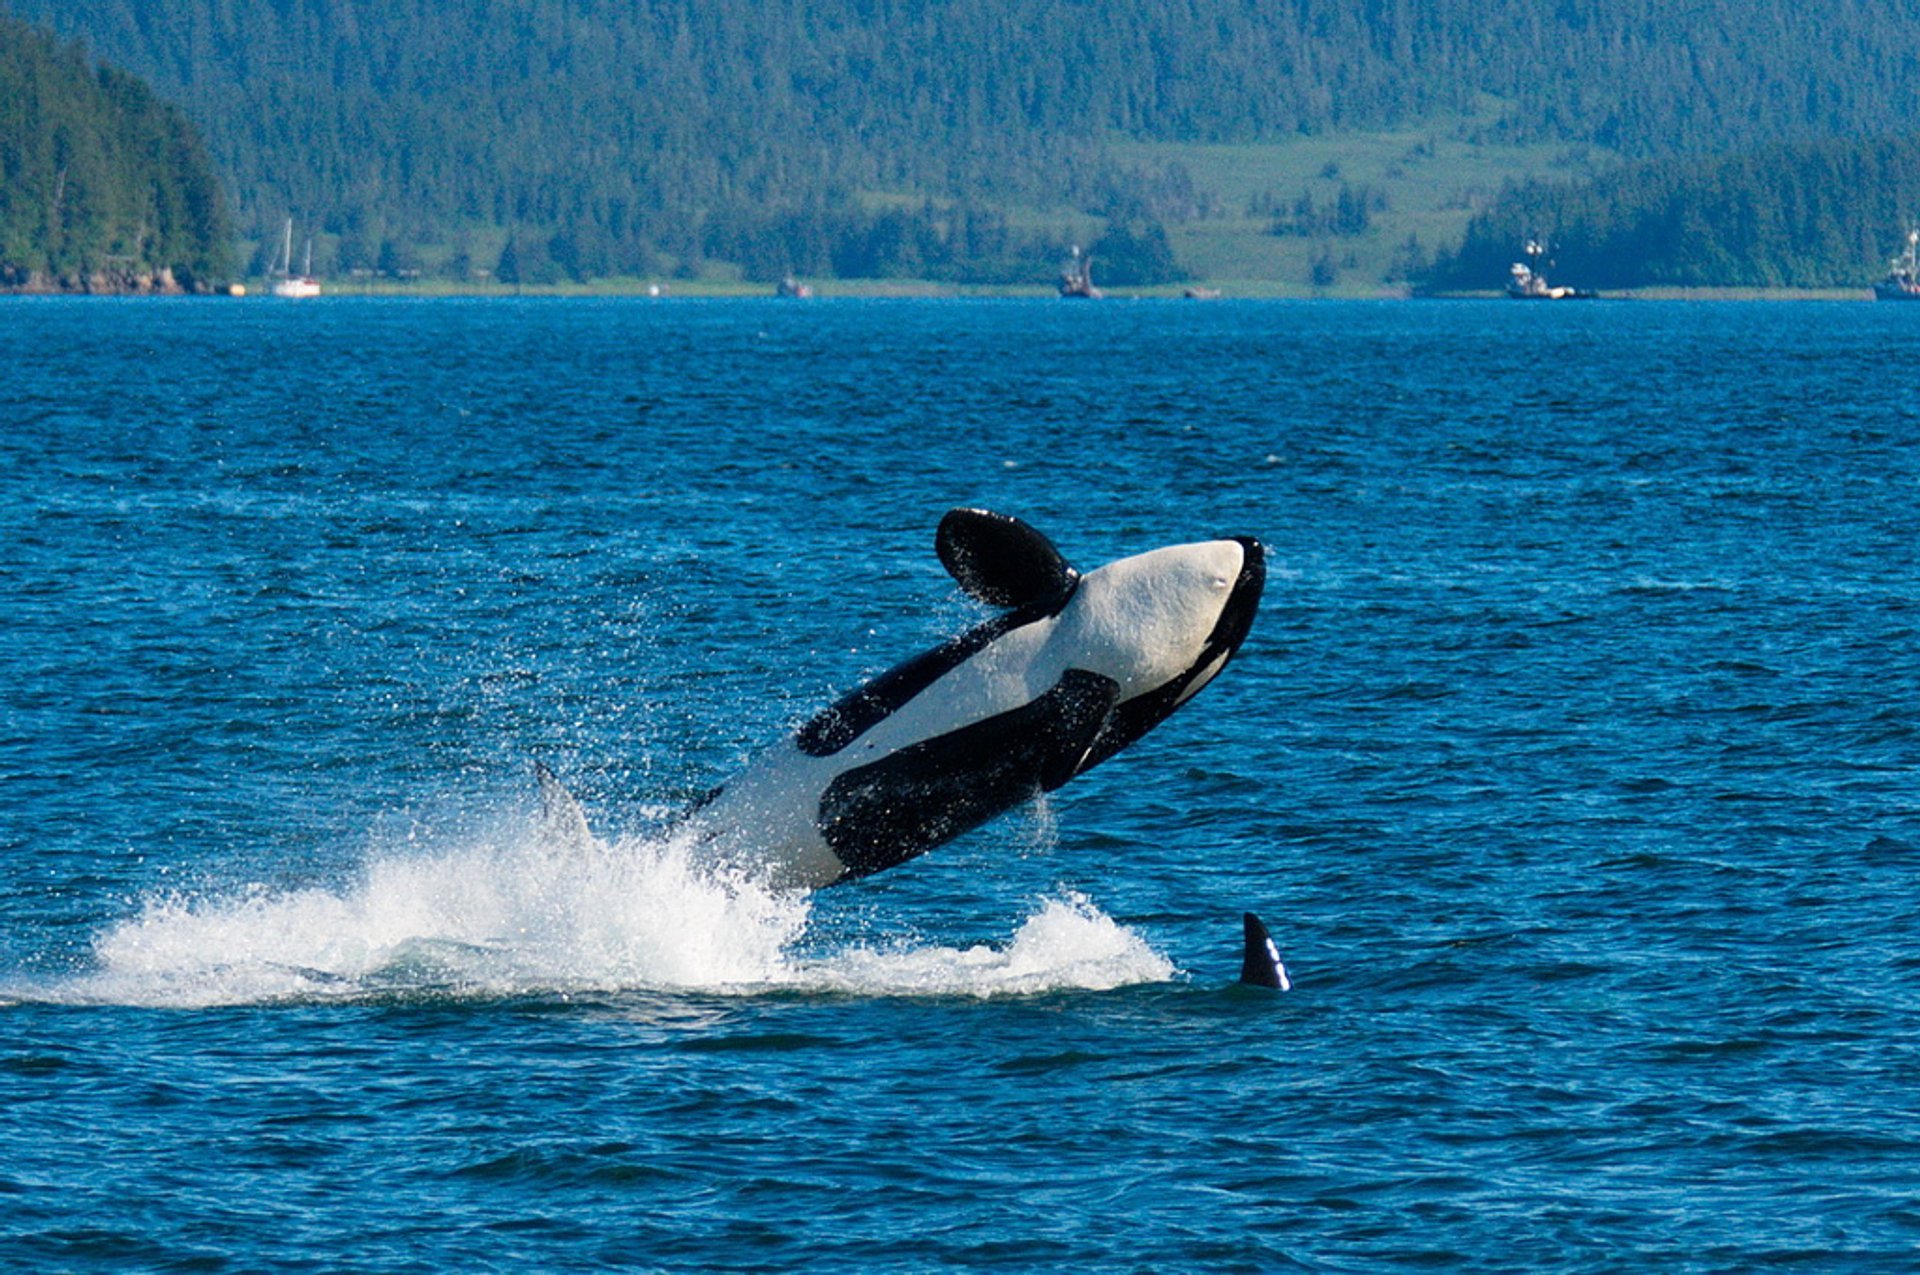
(1260, 961)
(1001, 560)
(888, 811)
(1083, 704)
(562, 821)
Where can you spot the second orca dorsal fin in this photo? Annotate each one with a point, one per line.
(1260, 964)
(563, 823)
(1000, 560)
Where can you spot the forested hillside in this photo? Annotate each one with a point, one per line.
(917, 136)
(1819, 215)
(102, 186)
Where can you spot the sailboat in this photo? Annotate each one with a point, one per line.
(285, 282)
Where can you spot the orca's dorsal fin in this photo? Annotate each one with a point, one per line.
(1260, 963)
(1000, 560)
(563, 824)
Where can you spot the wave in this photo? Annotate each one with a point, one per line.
(524, 912)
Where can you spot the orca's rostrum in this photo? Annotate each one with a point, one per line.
(1074, 669)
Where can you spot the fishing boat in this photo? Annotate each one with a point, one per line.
(1903, 278)
(285, 282)
(1076, 277)
(1527, 280)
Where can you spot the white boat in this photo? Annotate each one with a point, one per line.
(1076, 277)
(1527, 282)
(1903, 278)
(285, 282)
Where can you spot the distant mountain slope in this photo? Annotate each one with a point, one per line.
(648, 132)
(102, 186)
(1806, 215)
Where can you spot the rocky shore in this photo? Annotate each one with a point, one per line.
(111, 281)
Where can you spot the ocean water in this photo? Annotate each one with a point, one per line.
(1572, 761)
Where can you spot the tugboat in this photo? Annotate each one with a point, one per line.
(1903, 279)
(1076, 277)
(1528, 282)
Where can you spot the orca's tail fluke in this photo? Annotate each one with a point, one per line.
(1260, 964)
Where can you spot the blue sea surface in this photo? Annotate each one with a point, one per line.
(1573, 762)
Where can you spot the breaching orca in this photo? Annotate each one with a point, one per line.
(1074, 669)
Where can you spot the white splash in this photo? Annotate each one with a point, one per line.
(514, 914)
(1067, 943)
(529, 913)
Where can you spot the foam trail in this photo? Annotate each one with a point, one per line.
(526, 913)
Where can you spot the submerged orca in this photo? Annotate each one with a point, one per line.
(1074, 669)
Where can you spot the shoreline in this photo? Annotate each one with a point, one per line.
(888, 289)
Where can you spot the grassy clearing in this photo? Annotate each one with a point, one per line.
(1431, 181)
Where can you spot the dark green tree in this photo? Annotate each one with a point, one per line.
(102, 185)
(1136, 254)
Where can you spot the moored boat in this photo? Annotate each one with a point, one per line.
(285, 282)
(1903, 277)
(1076, 277)
(1527, 280)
